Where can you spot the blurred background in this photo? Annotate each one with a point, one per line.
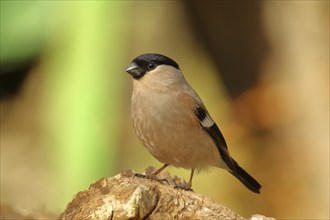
(261, 67)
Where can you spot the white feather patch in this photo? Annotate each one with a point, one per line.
(207, 122)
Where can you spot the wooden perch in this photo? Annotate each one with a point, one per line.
(127, 196)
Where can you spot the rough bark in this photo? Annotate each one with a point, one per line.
(127, 196)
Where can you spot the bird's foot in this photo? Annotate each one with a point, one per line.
(150, 177)
(140, 175)
(182, 184)
(183, 187)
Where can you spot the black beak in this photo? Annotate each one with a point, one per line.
(136, 71)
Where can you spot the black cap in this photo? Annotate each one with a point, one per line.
(147, 62)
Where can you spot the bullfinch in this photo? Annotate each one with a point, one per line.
(172, 122)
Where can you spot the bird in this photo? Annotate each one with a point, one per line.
(172, 122)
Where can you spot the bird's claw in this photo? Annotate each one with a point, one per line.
(140, 175)
(183, 187)
(150, 177)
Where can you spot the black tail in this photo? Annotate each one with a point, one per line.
(245, 178)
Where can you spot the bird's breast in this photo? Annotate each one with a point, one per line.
(169, 130)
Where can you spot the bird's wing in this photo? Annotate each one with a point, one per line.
(211, 128)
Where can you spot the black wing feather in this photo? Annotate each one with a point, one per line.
(214, 132)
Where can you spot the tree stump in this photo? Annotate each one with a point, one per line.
(127, 196)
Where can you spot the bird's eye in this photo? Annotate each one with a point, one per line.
(151, 66)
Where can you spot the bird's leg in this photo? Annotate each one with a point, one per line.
(189, 184)
(190, 179)
(154, 174)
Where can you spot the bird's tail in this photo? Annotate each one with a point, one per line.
(245, 178)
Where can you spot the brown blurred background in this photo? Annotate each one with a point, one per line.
(261, 67)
